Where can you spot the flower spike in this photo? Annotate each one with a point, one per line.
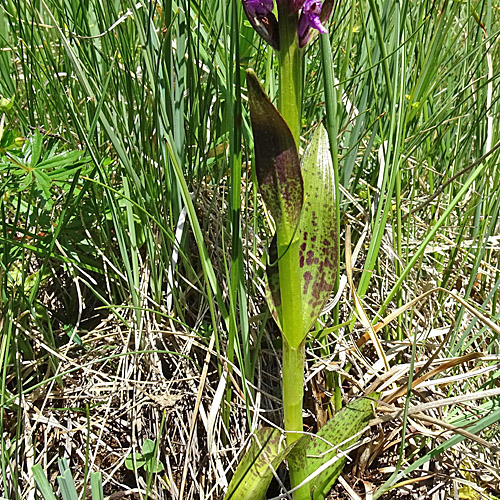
(264, 22)
(313, 14)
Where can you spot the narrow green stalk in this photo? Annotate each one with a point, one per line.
(293, 394)
(397, 263)
(383, 50)
(290, 70)
(348, 47)
(293, 357)
(398, 222)
(293, 372)
(290, 107)
(236, 277)
(5, 361)
(291, 295)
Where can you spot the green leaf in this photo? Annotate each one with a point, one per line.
(273, 295)
(148, 447)
(132, 464)
(28, 179)
(317, 229)
(154, 466)
(42, 482)
(36, 148)
(65, 174)
(72, 332)
(145, 459)
(9, 139)
(255, 471)
(43, 181)
(67, 485)
(316, 251)
(312, 452)
(6, 104)
(62, 160)
(96, 486)
(66, 482)
(276, 160)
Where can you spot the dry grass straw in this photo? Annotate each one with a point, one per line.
(163, 380)
(131, 378)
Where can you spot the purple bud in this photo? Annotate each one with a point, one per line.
(258, 7)
(261, 17)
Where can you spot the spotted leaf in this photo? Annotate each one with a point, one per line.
(317, 247)
(276, 160)
(256, 469)
(337, 435)
(273, 295)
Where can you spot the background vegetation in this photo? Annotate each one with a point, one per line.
(132, 242)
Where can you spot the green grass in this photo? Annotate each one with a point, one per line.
(134, 119)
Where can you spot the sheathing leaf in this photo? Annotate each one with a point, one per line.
(301, 200)
(314, 451)
(255, 471)
(273, 295)
(276, 160)
(317, 229)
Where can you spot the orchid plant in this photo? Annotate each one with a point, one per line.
(303, 255)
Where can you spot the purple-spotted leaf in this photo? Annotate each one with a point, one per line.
(276, 160)
(256, 469)
(316, 245)
(317, 229)
(273, 295)
(313, 452)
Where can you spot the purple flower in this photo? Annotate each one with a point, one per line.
(310, 17)
(261, 17)
(313, 14)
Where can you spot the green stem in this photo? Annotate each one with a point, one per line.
(290, 70)
(293, 394)
(290, 107)
(292, 324)
(293, 355)
(293, 373)
(291, 294)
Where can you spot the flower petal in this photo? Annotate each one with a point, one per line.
(314, 15)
